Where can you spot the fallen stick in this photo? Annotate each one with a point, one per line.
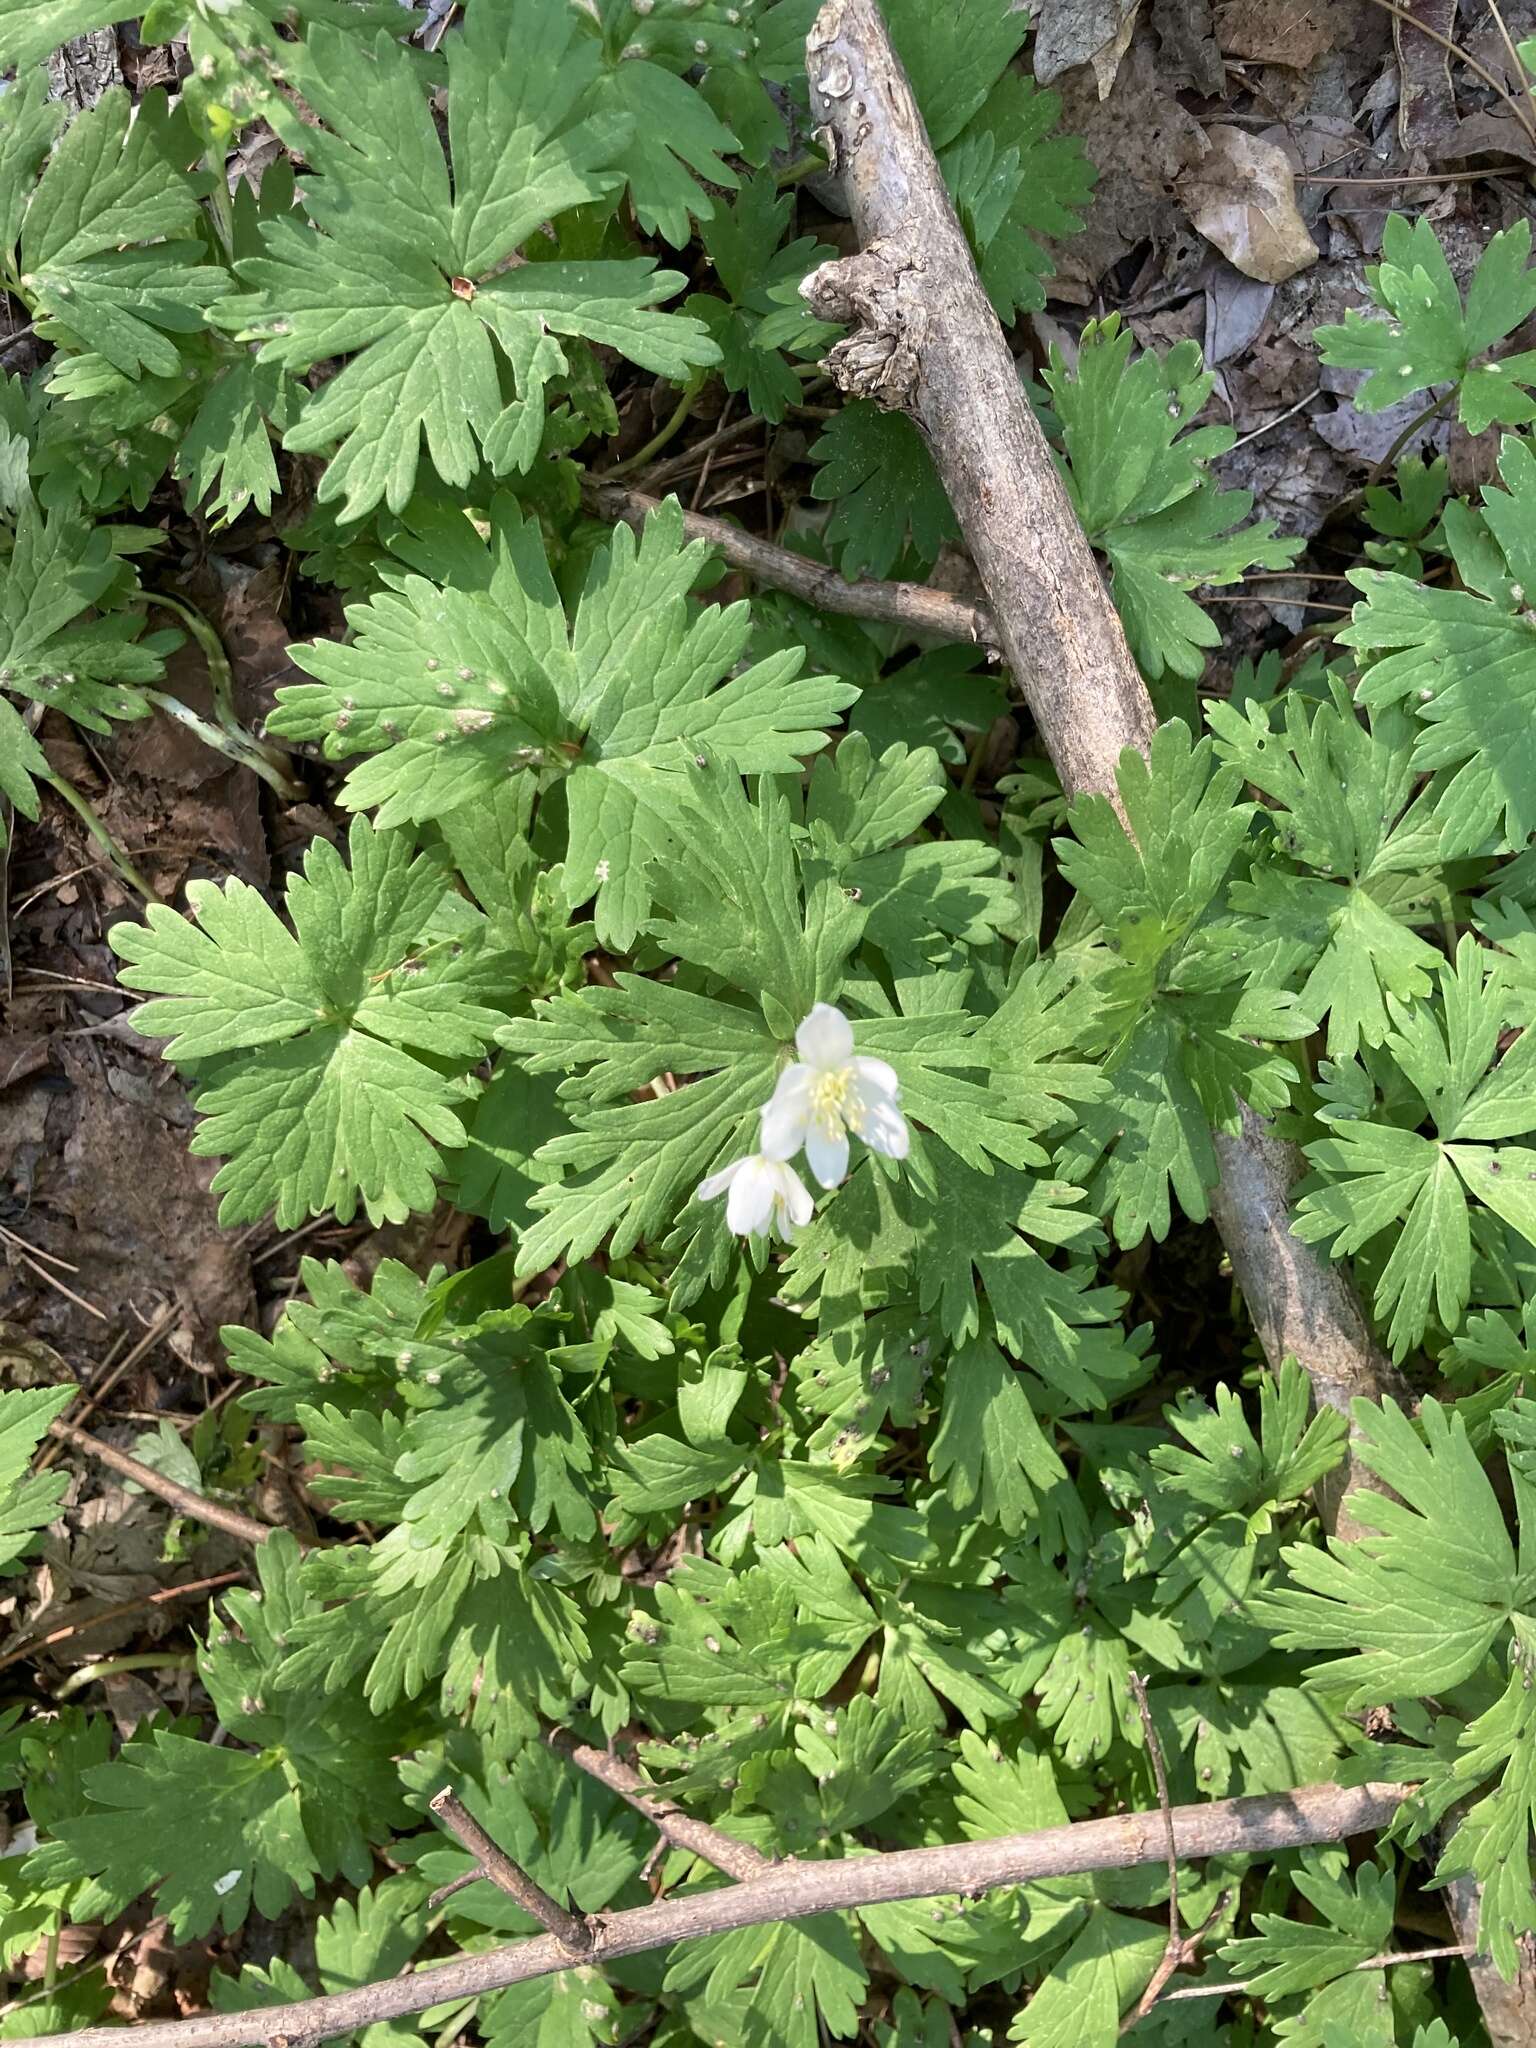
(678, 1829)
(925, 339)
(792, 1891)
(230, 1521)
(912, 605)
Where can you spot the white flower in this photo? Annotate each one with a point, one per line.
(767, 1195)
(828, 1092)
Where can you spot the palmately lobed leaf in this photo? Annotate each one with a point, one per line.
(355, 1023)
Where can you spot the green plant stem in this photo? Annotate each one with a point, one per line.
(664, 434)
(1420, 420)
(221, 681)
(144, 1660)
(802, 167)
(236, 744)
(51, 1960)
(86, 813)
(220, 203)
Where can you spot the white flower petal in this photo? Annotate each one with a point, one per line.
(717, 1183)
(873, 1078)
(827, 1155)
(797, 1200)
(786, 1113)
(884, 1129)
(749, 1205)
(825, 1039)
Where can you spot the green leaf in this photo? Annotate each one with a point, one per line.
(1431, 337)
(618, 702)
(990, 1452)
(1465, 665)
(1287, 1957)
(29, 121)
(153, 1835)
(670, 141)
(802, 1975)
(58, 569)
(1013, 179)
(1420, 1598)
(109, 248)
(1492, 1842)
(494, 1176)
(225, 458)
(319, 1050)
(875, 465)
(742, 242)
(1229, 1469)
(409, 277)
(28, 1501)
(360, 1941)
(1080, 2003)
(863, 1760)
(658, 1472)
(1376, 1175)
(953, 56)
(1138, 480)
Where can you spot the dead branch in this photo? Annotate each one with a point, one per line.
(925, 339)
(793, 1891)
(1302, 1305)
(737, 1859)
(911, 605)
(494, 1864)
(1508, 2010)
(244, 1528)
(22, 1653)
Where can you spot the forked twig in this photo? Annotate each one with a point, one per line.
(1181, 1948)
(494, 1864)
(677, 1828)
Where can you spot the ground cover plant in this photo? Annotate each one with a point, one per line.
(901, 1411)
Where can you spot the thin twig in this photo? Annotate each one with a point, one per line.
(1174, 1949)
(677, 467)
(1406, 1955)
(493, 1863)
(29, 1257)
(1522, 76)
(22, 1652)
(1479, 70)
(1279, 420)
(1414, 178)
(737, 1859)
(196, 1505)
(795, 1891)
(911, 605)
(96, 1395)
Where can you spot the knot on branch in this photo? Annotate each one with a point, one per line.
(874, 293)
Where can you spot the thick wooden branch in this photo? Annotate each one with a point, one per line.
(925, 339)
(792, 1891)
(1302, 1304)
(911, 605)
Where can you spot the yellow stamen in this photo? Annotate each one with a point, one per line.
(831, 1100)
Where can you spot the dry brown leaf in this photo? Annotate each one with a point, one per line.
(1072, 32)
(1242, 197)
(1292, 33)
